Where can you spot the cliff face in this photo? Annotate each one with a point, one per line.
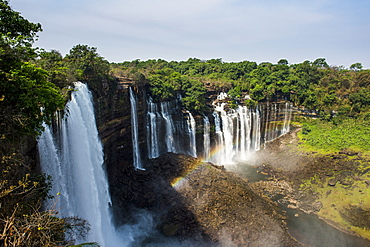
(113, 116)
(186, 211)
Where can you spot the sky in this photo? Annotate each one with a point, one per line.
(234, 30)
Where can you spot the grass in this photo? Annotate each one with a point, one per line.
(327, 137)
(324, 137)
(335, 199)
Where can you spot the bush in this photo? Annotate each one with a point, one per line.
(41, 229)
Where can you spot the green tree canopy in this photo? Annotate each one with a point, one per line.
(27, 99)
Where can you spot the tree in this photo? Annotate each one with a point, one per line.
(27, 99)
(320, 63)
(283, 62)
(87, 63)
(57, 71)
(356, 66)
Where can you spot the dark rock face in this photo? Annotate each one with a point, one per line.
(222, 204)
(113, 116)
(212, 207)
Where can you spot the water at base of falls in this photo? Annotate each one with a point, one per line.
(74, 158)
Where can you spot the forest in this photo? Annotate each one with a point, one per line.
(35, 83)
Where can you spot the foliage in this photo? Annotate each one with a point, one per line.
(82, 63)
(86, 64)
(40, 229)
(312, 85)
(27, 100)
(335, 136)
(165, 83)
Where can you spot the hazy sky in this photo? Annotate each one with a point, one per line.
(234, 30)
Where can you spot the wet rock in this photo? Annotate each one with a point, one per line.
(171, 229)
(366, 171)
(332, 181)
(317, 206)
(346, 181)
(348, 152)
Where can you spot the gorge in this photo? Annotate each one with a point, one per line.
(178, 153)
(140, 139)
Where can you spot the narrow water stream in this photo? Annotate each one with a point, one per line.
(314, 232)
(306, 228)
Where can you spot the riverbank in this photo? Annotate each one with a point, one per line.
(333, 186)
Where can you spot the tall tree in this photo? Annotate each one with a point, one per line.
(27, 99)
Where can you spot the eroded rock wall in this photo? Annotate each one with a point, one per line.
(113, 116)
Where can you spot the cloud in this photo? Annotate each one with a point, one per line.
(204, 20)
(233, 29)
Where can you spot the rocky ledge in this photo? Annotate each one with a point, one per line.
(223, 204)
(204, 202)
(332, 186)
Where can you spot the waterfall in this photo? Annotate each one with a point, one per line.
(287, 118)
(237, 132)
(219, 140)
(169, 129)
(135, 132)
(152, 130)
(256, 134)
(245, 130)
(192, 131)
(219, 157)
(169, 137)
(277, 120)
(74, 158)
(206, 138)
(227, 130)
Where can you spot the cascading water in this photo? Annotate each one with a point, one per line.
(135, 132)
(276, 113)
(219, 157)
(74, 158)
(206, 138)
(243, 130)
(166, 120)
(165, 109)
(237, 132)
(152, 130)
(287, 118)
(192, 129)
(256, 134)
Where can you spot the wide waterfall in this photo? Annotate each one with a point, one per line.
(244, 130)
(73, 155)
(237, 132)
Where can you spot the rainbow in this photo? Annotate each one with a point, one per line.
(177, 182)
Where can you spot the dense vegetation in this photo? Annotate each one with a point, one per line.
(312, 85)
(332, 137)
(27, 100)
